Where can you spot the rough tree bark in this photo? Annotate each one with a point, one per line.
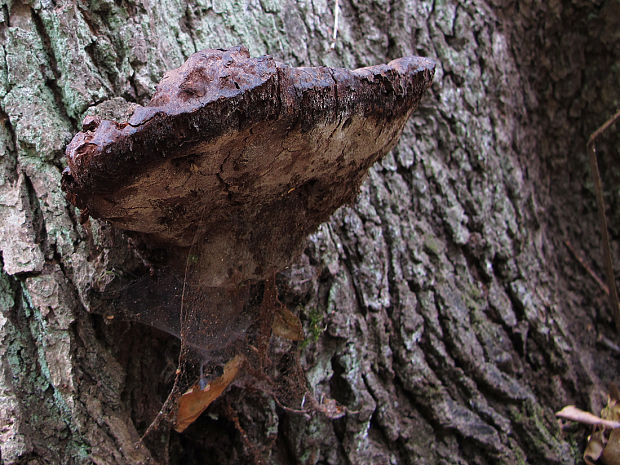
(443, 309)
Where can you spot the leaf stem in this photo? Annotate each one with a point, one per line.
(598, 184)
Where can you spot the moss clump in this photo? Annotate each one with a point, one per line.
(315, 327)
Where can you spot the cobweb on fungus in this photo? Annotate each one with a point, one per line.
(215, 325)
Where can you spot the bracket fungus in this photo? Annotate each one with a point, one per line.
(242, 157)
(230, 166)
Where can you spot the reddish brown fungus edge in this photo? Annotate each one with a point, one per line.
(226, 90)
(245, 156)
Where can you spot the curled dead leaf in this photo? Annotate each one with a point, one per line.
(611, 452)
(196, 400)
(594, 449)
(612, 410)
(604, 444)
(287, 325)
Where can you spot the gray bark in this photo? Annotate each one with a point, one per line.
(442, 309)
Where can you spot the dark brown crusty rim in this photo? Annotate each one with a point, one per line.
(107, 155)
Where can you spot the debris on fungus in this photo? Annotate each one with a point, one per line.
(230, 166)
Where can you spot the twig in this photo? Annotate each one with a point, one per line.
(598, 184)
(609, 344)
(335, 34)
(604, 127)
(590, 271)
(289, 409)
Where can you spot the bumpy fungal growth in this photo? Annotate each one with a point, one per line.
(241, 157)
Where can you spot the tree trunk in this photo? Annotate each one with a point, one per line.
(443, 310)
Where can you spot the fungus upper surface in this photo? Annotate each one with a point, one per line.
(242, 157)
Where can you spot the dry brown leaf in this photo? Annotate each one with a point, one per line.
(611, 453)
(612, 410)
(603, 445)
(594, 449)
(570, 412)
(196, 400)
(287, 325)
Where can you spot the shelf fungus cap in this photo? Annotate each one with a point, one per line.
(241, 157)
